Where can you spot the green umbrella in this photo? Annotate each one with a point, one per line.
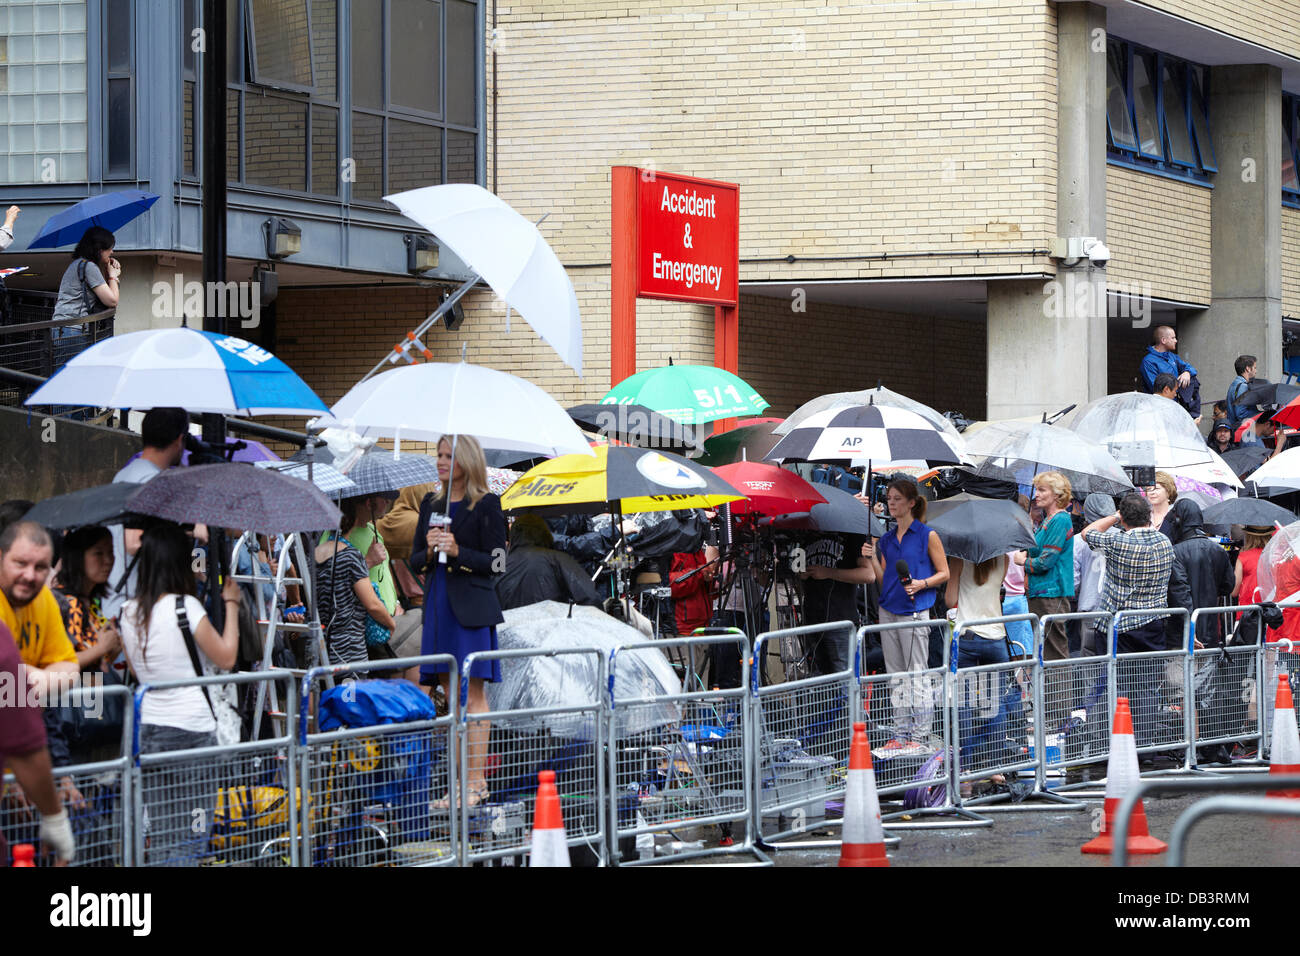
(690, 394)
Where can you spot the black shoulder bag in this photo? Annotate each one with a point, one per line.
(183, 622)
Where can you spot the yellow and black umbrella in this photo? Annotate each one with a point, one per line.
(632, 480)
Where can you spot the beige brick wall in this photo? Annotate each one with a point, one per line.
(1158, 232)
(1291, 262)
(855, 130)
(1271, 23)
(792, 357)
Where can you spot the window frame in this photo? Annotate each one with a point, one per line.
(111, 75)
(1137, 157)
(1290, 108)
(250, 47)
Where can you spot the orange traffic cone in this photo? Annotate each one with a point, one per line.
(1121, 774)
(549, 846)
(864, 837)
(1284, 757)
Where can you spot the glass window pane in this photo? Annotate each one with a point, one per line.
(1200, 125)
(47, 78)
(461, 163)
(415, 55)
(72, 167)
(74, 17)
(1289, 180)
(118, 135)
(47, 48)
(47, 18)
(461, 64)
(47, 137)
(414, 155)
(367, 168)
(189, 59)
(1121, 124)
(72, 107)
(281, 42)
(232, 135)
(324, 151)
(187, 130)
(73, 136)
(275, 137)
(234, 46)
(324, 46)
(1144, 104)
(1180, 136)
(368, 55)
(118, 31)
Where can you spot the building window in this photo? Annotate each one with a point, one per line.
(1290, 134)
(43, 92)
(414, 112)
(119, 90)
(1156, 112)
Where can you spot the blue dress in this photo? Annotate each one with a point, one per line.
(443, 634)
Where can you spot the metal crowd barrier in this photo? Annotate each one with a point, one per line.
(1279, 657)
(521, 743)
(802, 730)
(993, 713)
(382, 795)
(1076, 698)
(678, 760)
(1155, 683)
(1253, 806)
(225, 805)
(101, 820)
(1225, 680)
(913, 705)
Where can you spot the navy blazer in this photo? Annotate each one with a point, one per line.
(480, 534)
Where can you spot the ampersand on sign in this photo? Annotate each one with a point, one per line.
(686, 240)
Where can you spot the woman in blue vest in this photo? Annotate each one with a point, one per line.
(908, 649)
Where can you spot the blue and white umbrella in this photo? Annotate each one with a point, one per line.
(111, 211)
(186, 368)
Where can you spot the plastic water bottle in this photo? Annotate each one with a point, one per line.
(24, 855)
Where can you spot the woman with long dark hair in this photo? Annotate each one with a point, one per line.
(80, 586)
(180, 797)
(912, 547)
(461, 608)
(89, 285)
(343, 589)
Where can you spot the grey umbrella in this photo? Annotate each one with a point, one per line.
(236, 495)
(1255, 512)
(100, 505)
(379, 471)
(976, 529)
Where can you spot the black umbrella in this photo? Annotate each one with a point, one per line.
(1263, 392)
(976, 529)
(1246, 459)
(236, 495)
(636, 425)
(100, 505)
(1255, 512)
(842, 513)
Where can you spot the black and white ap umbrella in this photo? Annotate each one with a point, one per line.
(878, 433)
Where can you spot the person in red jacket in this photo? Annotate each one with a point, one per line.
(693, 593)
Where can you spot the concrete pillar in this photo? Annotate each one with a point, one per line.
(1245, 314)
(1047, 342)
(147, 294)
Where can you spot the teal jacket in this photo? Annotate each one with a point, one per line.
(1049, 570)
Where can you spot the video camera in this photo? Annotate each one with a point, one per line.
(206, 453)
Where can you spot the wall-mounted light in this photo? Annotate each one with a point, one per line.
(421, 254)
(283, 238)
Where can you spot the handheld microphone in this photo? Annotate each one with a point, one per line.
(904, 575)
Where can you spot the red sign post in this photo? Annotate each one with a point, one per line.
(678, 238)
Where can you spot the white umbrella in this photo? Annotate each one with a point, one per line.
(197, 371)
(1280, 472)
(874, 396)
(424, 402)
(508, 252)
(1016, 451)
(1216, 471)
(1141, 429)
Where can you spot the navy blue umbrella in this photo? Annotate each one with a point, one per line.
(109, 210)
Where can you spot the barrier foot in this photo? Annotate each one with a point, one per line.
(760, 858)
(969, 819)
(777, 844)
(996, 802)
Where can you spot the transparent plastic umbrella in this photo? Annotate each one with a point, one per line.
(878, 396)
(1141, 429)
(1278, 576)
(1016, 451)
(571, 680)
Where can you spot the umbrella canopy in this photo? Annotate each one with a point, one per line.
(236, 496)
(635, 425)
(1246, 459)
(1280, 472)
(508, 252)
(1262, 393)
(1278, 574)
(690, 394)
(1248, 511)
(379, 471)
(84, 508)
(743, 443)
(110, 211)
(976, 529)
(1198, 491)
(1216, 471)
(1141, 429)
(570, 680)
(842, 513)
(324, 476)
(869, 396)
(424, 402)
(1016, 451)
(770, 490)
(875, 432)
(198, 371)
(637, 479)
(1289, 413)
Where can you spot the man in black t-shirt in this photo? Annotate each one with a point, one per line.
(835, 566)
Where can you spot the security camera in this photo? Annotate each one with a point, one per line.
(1096, 252)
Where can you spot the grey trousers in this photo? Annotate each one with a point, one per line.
(907, 653)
